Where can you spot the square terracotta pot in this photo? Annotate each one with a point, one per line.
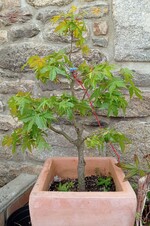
(81, 208)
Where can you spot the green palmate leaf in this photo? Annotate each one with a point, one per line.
(69, 114)
(107, 136)
(35, 62)
(27, 139)
(84, 68)
(12, 107)
(30, 124)
(122, 144)
(116, 102)
(13, 140)
(133, 169)
(115, 84)
(19, 103)
(66, 107)
(55, 18)
(40, 122)
(96, 94)
(47, 104)
(73, 9)
(95, 142)
(85, 49)
(82, 107)
(7, 141)
(138, 92)
(45, 69)
(62, 27)
(27, 118)
(61, 72)
(52, 74)
(110, 102)
(136, 160)
(131, 92)
(27, 143)
(73, 27)
(42, 144)
(128, 77)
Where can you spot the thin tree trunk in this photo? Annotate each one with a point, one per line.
(81, 168)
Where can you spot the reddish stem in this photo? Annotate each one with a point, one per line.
(74, 73)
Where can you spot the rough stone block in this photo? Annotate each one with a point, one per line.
(138, 131)
(43, 3)
(7, 122)
(95, 11)
(101, 41)
(1, 6)
(10, 169)
(13, 87)
(23, 31)
(2, 106)
(9, 74)
(100, 28)
(132, 30)
(10, 3)
(94, 57)
(3, 36)
(90, 0)
(46, 14)
(50, 86)
(24, 50)
(141, 79)
(15, 15)
(49, 34)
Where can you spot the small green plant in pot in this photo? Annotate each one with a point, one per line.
(102, 90)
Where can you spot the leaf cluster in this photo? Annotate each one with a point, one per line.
(108, 90)
(31, 132)
(73, 25)
(106, 182)
(37, 114)
(65, 186)
(107, 136)
(50, 67)
(137, 168)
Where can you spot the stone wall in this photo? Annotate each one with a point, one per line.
(118, 32)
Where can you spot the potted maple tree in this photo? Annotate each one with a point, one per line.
(102, 90)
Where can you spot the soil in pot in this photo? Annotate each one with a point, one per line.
(92, 183)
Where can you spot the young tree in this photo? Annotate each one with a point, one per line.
(101, 89)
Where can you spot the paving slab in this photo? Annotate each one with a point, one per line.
(15, 189)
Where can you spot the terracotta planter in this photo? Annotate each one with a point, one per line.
(81, 208)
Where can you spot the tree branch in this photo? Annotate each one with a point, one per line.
(61, 132)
